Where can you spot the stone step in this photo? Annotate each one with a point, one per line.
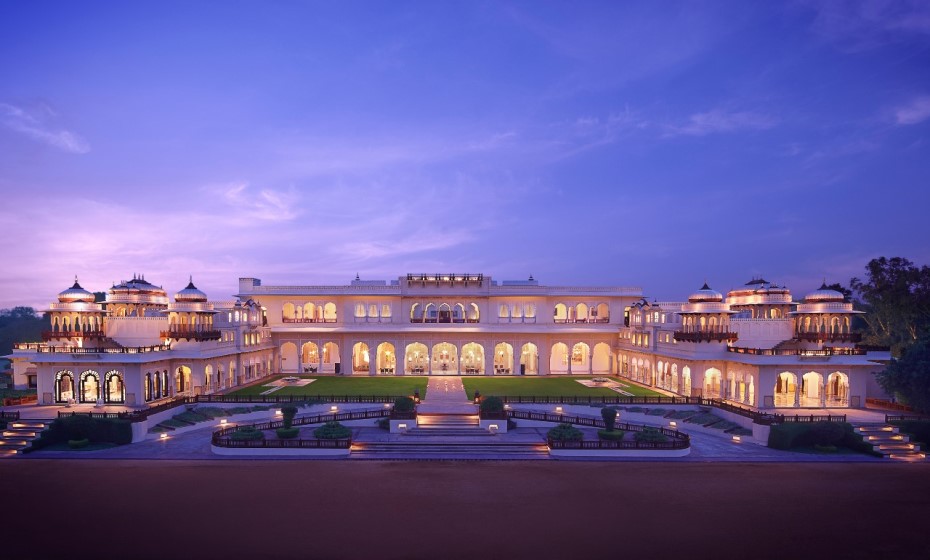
(908, 457)
(874, 430)
(448, 433)
(7, 443)
(896, 447)
(33, 424)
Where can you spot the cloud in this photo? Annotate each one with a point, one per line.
(918, 110)
(267, 204)
(34, 125)
(719, 120)
(853, 25)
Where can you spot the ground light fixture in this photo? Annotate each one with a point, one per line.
(673, 425)
(558, 409)
(223, 422)
(333, 408)
(737, 439)
(163, 436)
(277, 412)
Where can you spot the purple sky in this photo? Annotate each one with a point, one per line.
(612, 143)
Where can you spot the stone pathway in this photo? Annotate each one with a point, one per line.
(446, 395)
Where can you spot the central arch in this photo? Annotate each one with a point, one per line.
(416, 358)
(600, 362)
(786, 387)
(581, 361)
(289, 357)
(115, 392)
(310, 357)
(529, 359)
(558, 358)
(473, 359)
(361, 359)
(444, 359)
(811, 390)
(503, 359)
(386, 359)
(90, 387)
(712, 387)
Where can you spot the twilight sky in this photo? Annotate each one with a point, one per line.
(656, 144)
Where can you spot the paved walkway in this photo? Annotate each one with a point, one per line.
(446, 395)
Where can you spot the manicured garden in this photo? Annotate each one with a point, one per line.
(354, 386)
(546, 387)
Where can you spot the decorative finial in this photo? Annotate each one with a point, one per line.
(356, 276)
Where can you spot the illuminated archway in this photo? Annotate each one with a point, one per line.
(837, 389)
(558, 358)
(600, 361)
(115, 390)
(386, 360)
(416, 358)
(289, 357)
(361, 360)
(529, 359)
(444, 359)
(473, 359)
(64, 386)
(786, 387)
(310, 357)
(503, 359)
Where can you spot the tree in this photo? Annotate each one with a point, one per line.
(896, 298)
(610, 418)
(908, 377)
(837, 287)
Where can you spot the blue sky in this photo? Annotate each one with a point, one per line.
(655, 144)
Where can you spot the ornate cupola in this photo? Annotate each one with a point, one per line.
(190, 317)
(136, 298)
(705, 318)
(825, 317)
(760, 299)
(75, 316)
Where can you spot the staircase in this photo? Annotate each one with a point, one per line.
(886, 439)
(18, 435)
(448, 436)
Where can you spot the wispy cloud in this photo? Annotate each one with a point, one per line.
(853, 25)
(34, 125)
(916, 111)
(720, 120)
(266, 204)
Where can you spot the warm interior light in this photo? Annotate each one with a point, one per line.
(673, 424)
(737, 439)
(277, 412)
(223, 422)
(333, 408)
(558, 409)
(163, 436)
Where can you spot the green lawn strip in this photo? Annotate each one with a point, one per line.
(352, 386)
(536, 387)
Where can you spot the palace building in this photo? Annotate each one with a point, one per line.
(755, 347)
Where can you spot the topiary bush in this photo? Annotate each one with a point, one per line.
(78, 443)
(287, 433)
(95, 430)
(492, 405)
(383, 423)
(247, 433)
(332, 430)
(288, 413)
(650, 435)
(826, 433)
(610, 418)
(404, 404)
(614, 435)
(565, 432)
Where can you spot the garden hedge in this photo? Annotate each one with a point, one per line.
(95, 430)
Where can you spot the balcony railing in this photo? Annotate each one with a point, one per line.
(441, 320)
(798, 352)
(829, 337)
(188, 334)
(53, 335)
(719, 336)
(588, 320)
(46, 349)
(293, 320)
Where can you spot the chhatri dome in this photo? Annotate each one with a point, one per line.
(824, 295)
(75, 294)
(190, 294)
(705, 295)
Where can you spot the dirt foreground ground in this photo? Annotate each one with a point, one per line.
(462, 509)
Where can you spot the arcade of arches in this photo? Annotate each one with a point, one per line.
(445, 358)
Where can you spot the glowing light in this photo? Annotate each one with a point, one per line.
(223, 422)
(673, 424)
(333, 408)
(277, 412)
(558, 409)
(737, 439)
(163, 436)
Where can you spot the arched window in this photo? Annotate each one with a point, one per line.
(473, 313)
(503, 359)
(416, 313)
(581, 313)
(385, 311)
(359, 310)
(445, 313)
(115, 391)
(90, 387)
(560, 313)
(373, 310)
(503, 311)
(329, 312)
(529, 312)
(64, 386)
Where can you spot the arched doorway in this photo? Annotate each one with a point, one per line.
(473, 359)
(386, 360)
(444, 359)
(289, 357)
(558, 359)
(182, 380)
(416, 359)
(64, 386)
(786, 387)
(675, 386)
(686, 381)
(837, 389)
(581, 353)
(361, 360)
(331, 360)
(90, 387)
(208, 378)
(712, 384)
(600, 362)
(811, 390)
(503, 359)
(115, 390)
(529, 359)
(310, 357)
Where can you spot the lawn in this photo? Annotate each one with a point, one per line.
(325, 385)
(544, 387)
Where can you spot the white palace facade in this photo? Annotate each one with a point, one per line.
(756, 346)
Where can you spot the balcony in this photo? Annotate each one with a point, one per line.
(582, 321)
(191, 334)
(829, 337)
(708, 336)
(54, 335)
(291, 320)
(826, 352)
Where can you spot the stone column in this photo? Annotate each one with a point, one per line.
(590, 360)
(542, 358)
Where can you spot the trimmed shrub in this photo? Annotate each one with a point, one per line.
(211, 412)
(404, 404)
(656, 412)
(918, 430)
(332, 430)
(78, 443)
(3, 424)
(511, 424)
(615, 435)
(288, 413)
(287, 433)
(837, 434)
(826, 433)
(825, 448)
(95, 430)
(492, 405)
(247, 433)
(565, 432)
(651, 435)
(383, 423)
(610, 418)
